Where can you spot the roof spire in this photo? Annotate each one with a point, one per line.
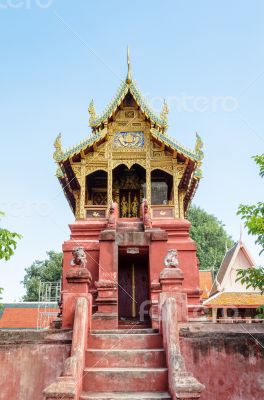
(128, 79)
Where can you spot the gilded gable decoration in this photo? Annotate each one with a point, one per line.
(129, 139)
(123, 90)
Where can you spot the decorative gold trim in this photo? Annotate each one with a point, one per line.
(168, 169)
(128, 163)
(110, 181)
(82, 191)
(77, 202)
(181, 205)
(148, 171)
(175, 190)
(90, 169)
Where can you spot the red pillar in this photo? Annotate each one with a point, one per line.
(106, 316)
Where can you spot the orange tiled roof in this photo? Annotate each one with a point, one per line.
(206, 283)
(22, 317)
(236, 299)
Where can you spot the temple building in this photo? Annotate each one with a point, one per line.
(130, 277)
(229, 299)
(129, 177)
(130, 271)
(127, 321)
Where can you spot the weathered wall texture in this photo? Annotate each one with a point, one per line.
(227, 359)
(29, 361)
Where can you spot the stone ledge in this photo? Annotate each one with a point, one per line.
(192, 329)
(13, 337)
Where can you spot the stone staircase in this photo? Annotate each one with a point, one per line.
(125, 365)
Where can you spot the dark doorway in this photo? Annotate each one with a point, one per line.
(133, 289)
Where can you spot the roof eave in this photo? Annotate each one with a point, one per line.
(75, 150)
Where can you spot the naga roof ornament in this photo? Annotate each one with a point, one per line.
(200, 155)
(164, 111)
(92, 112)
(58, 148)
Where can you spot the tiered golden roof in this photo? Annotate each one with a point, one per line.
(183, 163)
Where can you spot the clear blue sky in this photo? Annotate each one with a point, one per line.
(57, 55)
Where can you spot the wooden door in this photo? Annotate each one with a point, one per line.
(124, 290)
(133, 290)
(141, 290)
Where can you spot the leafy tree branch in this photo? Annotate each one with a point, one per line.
(253, 216)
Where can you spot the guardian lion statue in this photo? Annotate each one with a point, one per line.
(79, 257)
(171, 259)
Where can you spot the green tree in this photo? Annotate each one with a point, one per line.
(211, 238)
(253, 217)
(48, 270)
(8, 242)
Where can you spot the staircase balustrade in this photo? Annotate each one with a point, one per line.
(69, 385)
(182, 384)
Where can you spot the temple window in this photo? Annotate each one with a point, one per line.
(161, 187)
(96, 188)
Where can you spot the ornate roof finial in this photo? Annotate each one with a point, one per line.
(58, 148)
(128, 79)
(199, 152)
(91, 111)
(199, 147)
(164, 111)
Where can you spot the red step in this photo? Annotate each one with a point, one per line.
(125, 396)
(132, 364)
(125, 379)
(125, 358)
(119, 341)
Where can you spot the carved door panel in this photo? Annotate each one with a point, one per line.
(129, 201)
